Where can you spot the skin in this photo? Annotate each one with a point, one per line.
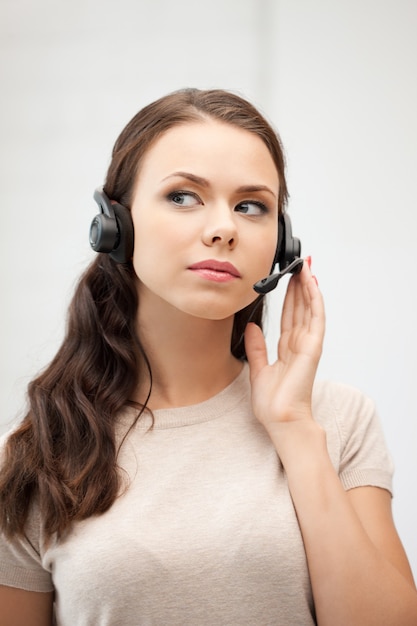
(359, 571)
(25, 608)
(215, 217)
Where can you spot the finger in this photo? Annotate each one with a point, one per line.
(288, 308)
(317, 315)
(309, 291)
(300, 300)
(292, 319)
(255, 349)
(303, 320)
(294, 304)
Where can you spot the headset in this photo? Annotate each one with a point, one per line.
(111, 231)
(287, 256)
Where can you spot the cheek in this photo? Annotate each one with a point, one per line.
(163, 239)
(149, 238)
(265, 255)
(146, 251)
(157, 251)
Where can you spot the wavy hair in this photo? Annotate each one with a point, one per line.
(63, 455)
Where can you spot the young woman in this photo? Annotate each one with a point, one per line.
(165, 473)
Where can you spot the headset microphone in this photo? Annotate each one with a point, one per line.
(287, 256)
(269, 283)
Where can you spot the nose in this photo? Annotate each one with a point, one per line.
(220, 228)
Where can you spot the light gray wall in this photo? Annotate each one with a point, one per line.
(346, 102)
(338, 79)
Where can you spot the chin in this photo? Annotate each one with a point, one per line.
(216, 311)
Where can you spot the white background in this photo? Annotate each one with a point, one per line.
(338, 80)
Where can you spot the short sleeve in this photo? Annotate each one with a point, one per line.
(20, 558)
(20, 566)
(355, 437)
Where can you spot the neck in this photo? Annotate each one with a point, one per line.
(190, 357)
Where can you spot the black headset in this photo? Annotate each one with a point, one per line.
(111, 231)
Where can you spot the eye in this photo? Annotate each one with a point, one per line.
(184, 198)
(251, 208)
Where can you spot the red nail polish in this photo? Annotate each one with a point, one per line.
(308, 261)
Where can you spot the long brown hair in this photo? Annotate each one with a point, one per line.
(64, 453)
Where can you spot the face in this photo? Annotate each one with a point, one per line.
(205, 216)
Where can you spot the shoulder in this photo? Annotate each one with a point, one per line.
(336, 395)
(355, 437)
(345, 406)
(21, 556)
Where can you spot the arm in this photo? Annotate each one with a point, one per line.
(25, 608)
(358, 569)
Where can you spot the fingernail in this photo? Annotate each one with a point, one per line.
(308, 261)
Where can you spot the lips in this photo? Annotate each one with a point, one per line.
(215, 270)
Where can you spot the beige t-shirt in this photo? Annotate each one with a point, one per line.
(206, 533)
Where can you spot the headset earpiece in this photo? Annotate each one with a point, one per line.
(111, 230)
(287, 256)
(289, 247)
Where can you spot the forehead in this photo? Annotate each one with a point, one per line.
(210, 147)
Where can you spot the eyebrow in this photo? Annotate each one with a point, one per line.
(199, 180)
(253, 188)
(195, 179)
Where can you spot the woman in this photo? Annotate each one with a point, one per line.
(165, 473)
